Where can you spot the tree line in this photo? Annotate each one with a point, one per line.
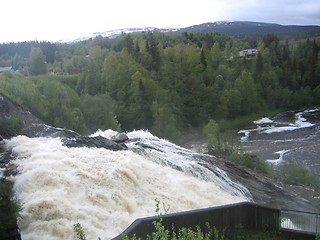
(162, 82)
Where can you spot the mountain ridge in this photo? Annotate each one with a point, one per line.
(242, 28)
(232, 28)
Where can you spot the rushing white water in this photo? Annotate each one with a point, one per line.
(280, 159)
(300, 122)
(105, 191)
(263, 120)
(266, 125)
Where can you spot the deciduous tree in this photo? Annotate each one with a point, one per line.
(37, 62)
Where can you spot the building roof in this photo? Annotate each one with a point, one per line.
(6, 69)
(248, 52)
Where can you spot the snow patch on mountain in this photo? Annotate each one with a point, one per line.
(116, 32)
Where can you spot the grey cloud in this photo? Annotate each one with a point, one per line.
(276, 11)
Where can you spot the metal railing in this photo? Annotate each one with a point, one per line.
(300, 221)
(249, 215)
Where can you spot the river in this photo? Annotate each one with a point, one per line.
(285, 138)
(105, 190)
(288, 137)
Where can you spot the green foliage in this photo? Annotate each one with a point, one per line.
(165, 124)
(37, 62)
(165, 209)
(207, 232)
(10, 207)
(239, 122)
(196, 233)
(260, 235)
(211, 130)
(253, 163)
(292, 173)
(248, 95)
(78, 230)
(53, 100)
(98, 112)
(63, 105)
(140, 94)
(160, 231)
(91, 81)
(163, 82)
(220, 142)
(10, 127)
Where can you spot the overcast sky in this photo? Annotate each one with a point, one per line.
(24, 20)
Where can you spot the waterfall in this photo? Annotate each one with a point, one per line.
(104, 190)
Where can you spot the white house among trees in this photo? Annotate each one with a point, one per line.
(248, 52)
(6, 69)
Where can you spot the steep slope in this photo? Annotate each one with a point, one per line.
(10, 110)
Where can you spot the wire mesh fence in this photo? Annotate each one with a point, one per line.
(300, 221)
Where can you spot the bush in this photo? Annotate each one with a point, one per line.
(220, 142)
(161, 233)
(9, 207)
(295, 174)
(253, 163)
(10, 127)
(78, 230)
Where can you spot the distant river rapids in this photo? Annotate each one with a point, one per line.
(292, 136)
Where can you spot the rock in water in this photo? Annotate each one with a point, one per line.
(120, 138)
(99, 142)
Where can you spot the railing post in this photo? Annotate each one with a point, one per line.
(317, 216)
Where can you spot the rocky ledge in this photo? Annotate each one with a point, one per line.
(99, 142)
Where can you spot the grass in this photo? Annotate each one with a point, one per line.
(253, 162)
(9, 127)
(295, 174)
(244, 121)
(9, 207)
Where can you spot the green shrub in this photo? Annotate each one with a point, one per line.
(78, 230)
(253, 163)
(220, 142)
(9, 207)
(240, 233)
(294, 174)
(10, 127)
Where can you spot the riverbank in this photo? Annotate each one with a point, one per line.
(291, 137)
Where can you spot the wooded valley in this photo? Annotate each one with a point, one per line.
(165, 83)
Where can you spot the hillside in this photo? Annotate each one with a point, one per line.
(231, 28)
(242, 28)
(165, 83)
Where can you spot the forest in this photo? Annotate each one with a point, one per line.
(165, 83)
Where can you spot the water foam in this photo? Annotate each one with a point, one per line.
(271, 126)
(278, 160)
(300, 122)
(103, 190)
